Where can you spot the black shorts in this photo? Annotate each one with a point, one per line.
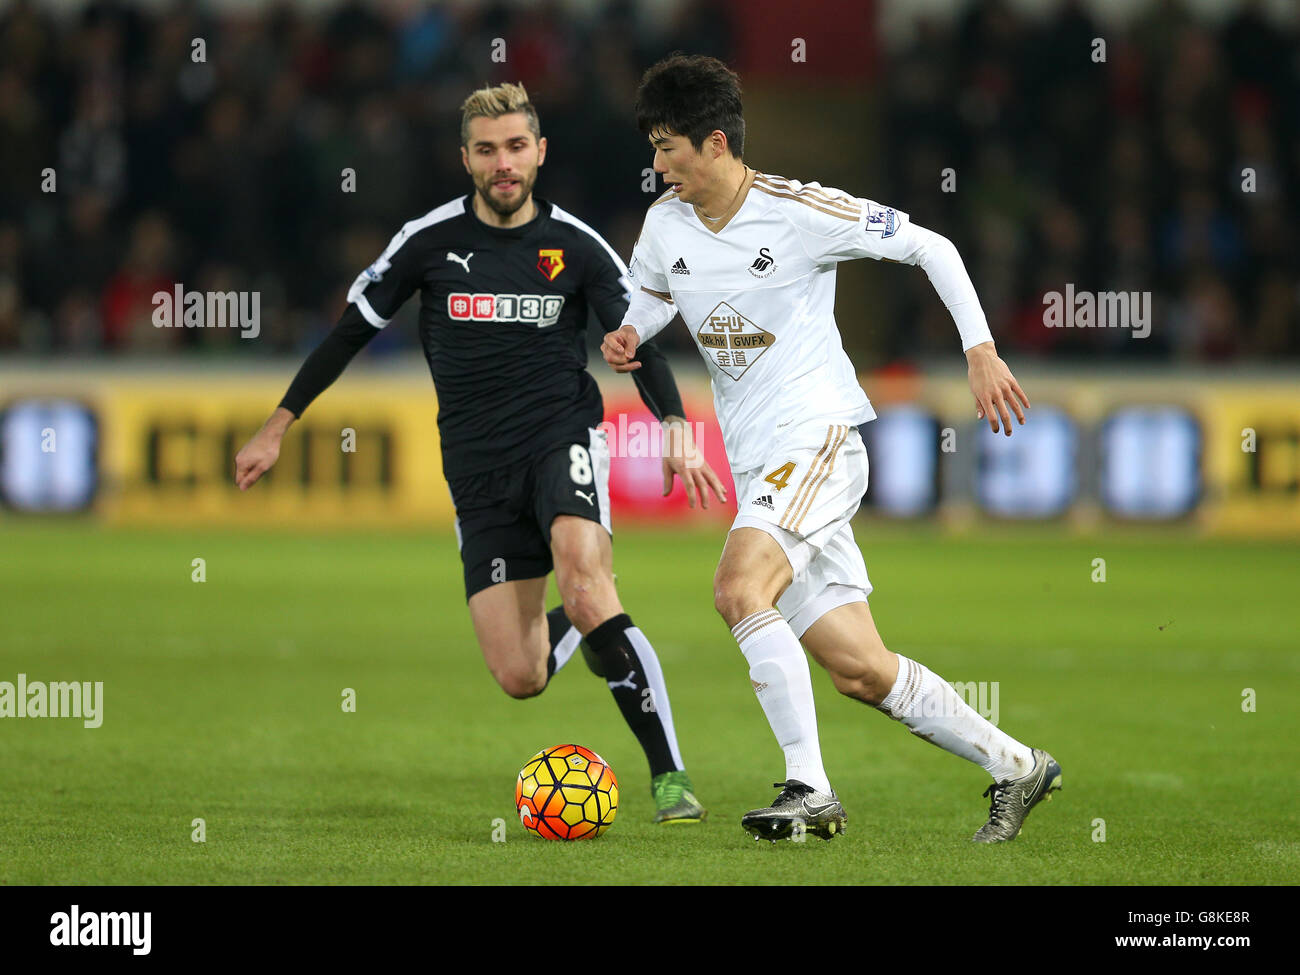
(503, 516)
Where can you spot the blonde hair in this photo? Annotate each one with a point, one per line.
(493, 102)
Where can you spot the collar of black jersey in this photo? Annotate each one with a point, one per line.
(543, 211)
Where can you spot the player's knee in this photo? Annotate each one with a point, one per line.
(521, 685)
(586, 600)
(734, 599)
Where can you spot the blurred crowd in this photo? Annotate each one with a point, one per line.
(226, 173)
(1124, 175)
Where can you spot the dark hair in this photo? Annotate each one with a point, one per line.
(692, 95)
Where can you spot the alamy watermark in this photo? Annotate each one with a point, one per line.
(980, 696)
(55, 699)
(1098, 309)
(637, 438)
(179, 308)
(126, 929)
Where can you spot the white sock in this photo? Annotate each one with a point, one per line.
(932, 710)
(778, 670)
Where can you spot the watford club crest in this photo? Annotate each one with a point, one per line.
(550, 262)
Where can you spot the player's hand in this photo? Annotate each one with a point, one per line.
(260, 454)
(619, 348)
(683, 458)
(994, 388)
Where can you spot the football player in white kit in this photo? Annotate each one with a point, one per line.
(748, 259)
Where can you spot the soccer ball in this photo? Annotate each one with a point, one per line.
(566, 793)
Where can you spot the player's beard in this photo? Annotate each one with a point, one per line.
(504, 208)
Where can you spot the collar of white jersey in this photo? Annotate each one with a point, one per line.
(716, 224)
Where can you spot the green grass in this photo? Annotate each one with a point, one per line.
(222, 701)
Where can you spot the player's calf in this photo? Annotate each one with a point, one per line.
(846, 643)
(624, 658)
(862, 680)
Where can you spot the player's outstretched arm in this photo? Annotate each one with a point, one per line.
(883, 232)
(325, 364)
(994, 387)
(991, 382)
(261, 452)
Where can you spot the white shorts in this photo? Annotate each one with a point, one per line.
(804, 497)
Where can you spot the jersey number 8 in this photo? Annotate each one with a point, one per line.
(580, 464)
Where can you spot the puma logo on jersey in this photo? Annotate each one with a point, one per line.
(680, 267)
(765, 502)
(589, 498)
(627, 682)
(462, 261)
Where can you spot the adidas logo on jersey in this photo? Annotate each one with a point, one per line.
(680, 267)
(766, 502)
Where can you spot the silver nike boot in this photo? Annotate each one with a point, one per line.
(799, 809)
(1010, 801)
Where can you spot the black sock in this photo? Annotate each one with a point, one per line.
(558, 626)
(635, 680)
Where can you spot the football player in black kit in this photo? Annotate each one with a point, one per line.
(505, 282)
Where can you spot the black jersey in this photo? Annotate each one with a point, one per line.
(503, 314)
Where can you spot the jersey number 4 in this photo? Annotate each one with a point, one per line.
(781, 476)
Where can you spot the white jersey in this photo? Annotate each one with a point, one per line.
(756, 288)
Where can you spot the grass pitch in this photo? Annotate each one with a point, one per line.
(222, 702)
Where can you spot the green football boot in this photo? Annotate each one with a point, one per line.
(674, 800)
